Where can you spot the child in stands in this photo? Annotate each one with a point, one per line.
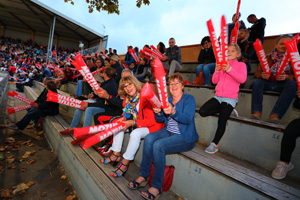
(228, 78)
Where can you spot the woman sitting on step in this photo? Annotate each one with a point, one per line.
(179, 135)
(138, 115)
(288, 144)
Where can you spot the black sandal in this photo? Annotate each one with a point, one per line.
(151, 196)
(137, 185)
(114, 162)
(119, 169)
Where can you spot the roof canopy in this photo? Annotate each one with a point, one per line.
(37, 17)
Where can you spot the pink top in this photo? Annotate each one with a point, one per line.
(228, 83)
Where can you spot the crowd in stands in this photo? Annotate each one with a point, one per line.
(168, 130)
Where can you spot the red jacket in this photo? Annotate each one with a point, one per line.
(146, 116)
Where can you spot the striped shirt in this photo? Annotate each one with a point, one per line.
(172, 126)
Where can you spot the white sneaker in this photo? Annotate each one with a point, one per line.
(281, 170)
(212, 148)
(235, 113)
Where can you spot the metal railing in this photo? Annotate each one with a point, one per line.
(3, 84)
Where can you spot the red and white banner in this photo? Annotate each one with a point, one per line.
(214, 41)
(101, 136)
(148, 94)
(64, 100)
(20, 97)
(160, 78)
(224, 40)
(293, 53)
(261, 56)
(234, 33)
(17, 109)
(93, 129)
(85, 72)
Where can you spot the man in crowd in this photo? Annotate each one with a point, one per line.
(114, 61)
(246, 46)
(257, 30)
(172, 59)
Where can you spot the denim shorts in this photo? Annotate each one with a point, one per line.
(230, 101)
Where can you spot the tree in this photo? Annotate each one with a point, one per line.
(111, 6)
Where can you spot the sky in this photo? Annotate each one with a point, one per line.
(184, 20)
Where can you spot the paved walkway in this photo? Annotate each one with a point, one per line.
(27, 161)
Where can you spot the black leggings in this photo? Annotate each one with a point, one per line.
(288, 142)
(212, 107)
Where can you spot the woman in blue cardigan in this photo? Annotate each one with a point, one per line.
(178, 135)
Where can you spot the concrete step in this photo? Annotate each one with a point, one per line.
(196, 168)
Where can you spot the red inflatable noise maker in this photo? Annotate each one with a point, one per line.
(64, 100)
(234, 33)
(214, 41)
(93, 129)
(149, 95)
(17, 109)
(160, 79)
(224, 40)
(293, 53)
(85, 72)
(261, 56)
(92, 140)
(20, 97)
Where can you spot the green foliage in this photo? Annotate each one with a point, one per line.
(111, 6)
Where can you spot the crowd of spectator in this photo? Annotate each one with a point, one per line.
(174, 126)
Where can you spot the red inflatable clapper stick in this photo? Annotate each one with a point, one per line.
(76, 76)
(224, 40)
(214, 41)
(20, 97)
(148, 94)
(59, 79)
(93, 129)
(283, 65)
(133, 54)
(101, 136)
(64, 100)
(293, 53)
(98, 70)
(148, 54)
(261, 56)
(125, 66)
(85, 71)
(234, 33)
(160, 78)
(157, 51)
(152, 52)
(17, 109)
(237, 10)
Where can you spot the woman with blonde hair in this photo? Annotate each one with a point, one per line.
(138, 115)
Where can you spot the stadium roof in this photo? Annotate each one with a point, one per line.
(38, 17)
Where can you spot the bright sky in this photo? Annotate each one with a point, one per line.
(185, 20)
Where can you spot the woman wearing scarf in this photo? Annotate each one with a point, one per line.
(285, 84)
(138, 115)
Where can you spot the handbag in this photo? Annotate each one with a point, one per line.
(168, 177)
(199, 79)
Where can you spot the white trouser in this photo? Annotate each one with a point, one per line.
(134, 142)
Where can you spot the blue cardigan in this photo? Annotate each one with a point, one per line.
(184, 115)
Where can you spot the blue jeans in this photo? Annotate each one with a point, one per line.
(286, 88)
(33, 114)
(89, 113)
(79, 88)
(207, 70)
(156, 146)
